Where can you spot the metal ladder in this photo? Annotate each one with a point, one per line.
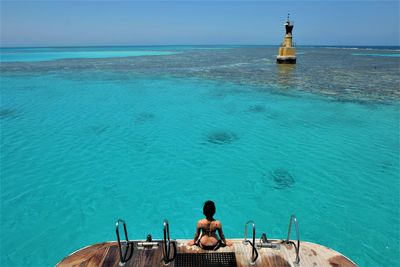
(254, 253)
(167, 245)
(125, 247)
(293, 218)
(266, 244)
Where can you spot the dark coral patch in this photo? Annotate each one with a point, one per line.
(98, 129)
(222, 137)
(282, 179)
(144, 117)
(257, 109)
(8, 113)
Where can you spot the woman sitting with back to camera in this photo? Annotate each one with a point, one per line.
(206, 230)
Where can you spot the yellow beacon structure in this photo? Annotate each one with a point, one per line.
(287, 53)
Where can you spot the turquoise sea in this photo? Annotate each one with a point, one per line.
(93, 134)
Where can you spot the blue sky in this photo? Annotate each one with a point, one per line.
(90, 22)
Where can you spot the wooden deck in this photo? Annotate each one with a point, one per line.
(311, 255)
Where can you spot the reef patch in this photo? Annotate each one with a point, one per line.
(222, 137)
(257, 109)
(144, 117)
(8, 113)
(282, 179)
(97, 129)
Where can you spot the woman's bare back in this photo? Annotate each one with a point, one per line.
(209, 230)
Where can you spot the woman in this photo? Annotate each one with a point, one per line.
(206, 230)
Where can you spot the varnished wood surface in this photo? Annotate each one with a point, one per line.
(107, 254)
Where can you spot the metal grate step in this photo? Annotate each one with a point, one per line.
(221, 259)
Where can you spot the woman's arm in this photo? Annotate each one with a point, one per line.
(220, 232)
(222, 236)
(196, 235)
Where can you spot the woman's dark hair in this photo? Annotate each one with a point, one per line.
(209, 209)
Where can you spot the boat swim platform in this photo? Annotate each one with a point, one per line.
(236, 255)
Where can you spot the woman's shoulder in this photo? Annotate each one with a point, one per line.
(201, 222)
(218, 223)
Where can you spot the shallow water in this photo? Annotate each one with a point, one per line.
(20, 55)
(84, 143)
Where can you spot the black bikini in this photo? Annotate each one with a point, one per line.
(212, 247)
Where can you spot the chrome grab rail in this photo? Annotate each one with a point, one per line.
(127, 254)
(293, 218)
(254, 253)
(167, 245)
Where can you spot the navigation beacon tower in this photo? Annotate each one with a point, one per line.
(287, 53)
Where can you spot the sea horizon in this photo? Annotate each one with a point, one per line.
(227, 44)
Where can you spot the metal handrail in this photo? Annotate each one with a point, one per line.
(293, 218)
(127, 254)
(167, 245)
(254, 253)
